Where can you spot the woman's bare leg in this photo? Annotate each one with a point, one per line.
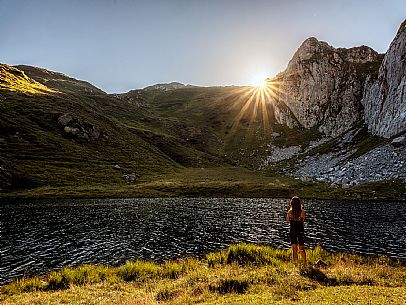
(303, 254)
(294, 253)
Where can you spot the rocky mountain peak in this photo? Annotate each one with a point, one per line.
(312, 44)
(384, 99)
(323, 86)
(310, 49)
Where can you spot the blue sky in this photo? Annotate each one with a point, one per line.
(120, 45)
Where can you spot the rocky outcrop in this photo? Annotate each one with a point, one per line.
(78, 129)
(385, 98)
(166, 87)
(399, 142)
(323, 86)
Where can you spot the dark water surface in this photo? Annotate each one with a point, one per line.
(40, 235)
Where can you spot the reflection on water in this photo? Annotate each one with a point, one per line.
(37, 236)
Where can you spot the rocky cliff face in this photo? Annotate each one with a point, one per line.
(385, 98)
(323, 86)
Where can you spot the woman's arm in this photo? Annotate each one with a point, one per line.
(303, 215)
(288, 216)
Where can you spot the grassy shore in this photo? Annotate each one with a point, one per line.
(241, 274)
(217, 182)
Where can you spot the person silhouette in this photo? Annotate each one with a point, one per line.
(295, 217)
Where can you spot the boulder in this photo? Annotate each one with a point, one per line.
(130, 178)
(79, 129)
(399, 142)
(65, 119)
(306, 179)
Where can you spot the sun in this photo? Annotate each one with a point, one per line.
(261, 84)
(264, 85)
(256, 102)
(259, 80)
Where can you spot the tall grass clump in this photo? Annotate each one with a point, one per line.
(318, 254)
(63, 279)
(172, 269)
(138, 271)
(216, 258)
(86, 274)
(25, 285)
(245, 254)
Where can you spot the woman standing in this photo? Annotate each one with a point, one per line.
(295, 217)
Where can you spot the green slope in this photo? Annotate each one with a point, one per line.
(61, 136)
(35, 148)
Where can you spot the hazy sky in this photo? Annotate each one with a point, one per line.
(120, 45)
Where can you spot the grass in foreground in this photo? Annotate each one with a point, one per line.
(242, 274)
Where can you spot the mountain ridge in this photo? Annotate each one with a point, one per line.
(75, 134)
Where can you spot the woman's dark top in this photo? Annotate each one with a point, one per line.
(296, 225)
(296, 231)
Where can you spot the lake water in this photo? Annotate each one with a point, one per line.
(40, 235)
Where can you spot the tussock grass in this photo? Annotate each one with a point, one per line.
(138, 270)
(242, 273)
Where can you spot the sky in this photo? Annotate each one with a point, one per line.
(119, 45)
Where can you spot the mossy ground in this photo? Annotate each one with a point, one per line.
(241, 274)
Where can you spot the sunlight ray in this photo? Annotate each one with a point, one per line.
(264, 110)
(242, 112)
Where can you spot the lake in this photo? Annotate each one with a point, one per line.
(41, 235)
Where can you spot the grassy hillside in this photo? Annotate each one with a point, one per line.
(141, 133)
(241, 274)
(37, 150)
(64, 137)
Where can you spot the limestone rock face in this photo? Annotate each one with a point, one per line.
(323, 86)
(384, 99)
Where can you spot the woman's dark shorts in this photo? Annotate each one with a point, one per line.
(296, 237)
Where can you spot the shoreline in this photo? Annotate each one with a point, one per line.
(216, 182)
(188, 192)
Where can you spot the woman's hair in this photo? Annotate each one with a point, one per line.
(295, 207)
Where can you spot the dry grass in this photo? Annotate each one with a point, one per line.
(242, 274)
